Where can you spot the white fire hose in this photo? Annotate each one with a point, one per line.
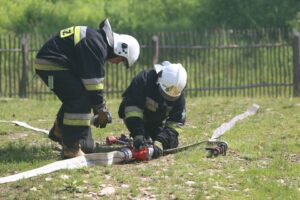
(104, 159)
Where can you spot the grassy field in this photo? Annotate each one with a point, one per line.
(263, 160)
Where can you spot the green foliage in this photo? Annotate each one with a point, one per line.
(247, 14)
(48, 16)
(296, 22)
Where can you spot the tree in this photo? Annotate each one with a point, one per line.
(246, 13)
(48, 16)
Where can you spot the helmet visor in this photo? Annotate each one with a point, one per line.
(170, 94)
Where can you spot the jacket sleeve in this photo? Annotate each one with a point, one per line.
(91, 52)
(168, 137)
(177, 115)
(134, 104)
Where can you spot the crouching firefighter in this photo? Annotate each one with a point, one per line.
(153, 107)
(71, 63)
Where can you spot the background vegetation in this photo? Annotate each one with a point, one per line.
(48, 16)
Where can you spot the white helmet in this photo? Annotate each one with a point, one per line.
(127, 47)
(172, 79)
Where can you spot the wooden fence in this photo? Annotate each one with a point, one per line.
(248, 63)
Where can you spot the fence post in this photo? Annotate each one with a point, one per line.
(25, 67)
(155, 48)
(296, 61)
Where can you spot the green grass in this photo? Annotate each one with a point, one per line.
(263, 160)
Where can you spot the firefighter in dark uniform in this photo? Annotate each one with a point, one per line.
(71, 63)
(153, 106)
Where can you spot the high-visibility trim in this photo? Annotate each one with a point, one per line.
(151, 104)
(100, 86)
(133, 111)
(134, 114)
(49, 67)
(77, 119)
(174, 125)
(76, 35)
(93, 84)
(76, 122)
(45, 62)
(79, 33)
(78, 115)
(92, 81)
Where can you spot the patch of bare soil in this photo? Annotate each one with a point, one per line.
(16, 136)
(294, 158)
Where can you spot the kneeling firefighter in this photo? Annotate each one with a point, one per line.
(71, 63)
(153, 107)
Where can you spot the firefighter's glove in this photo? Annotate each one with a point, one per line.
(139, 142)
(102, 116)
(168, 138)
(157, 149)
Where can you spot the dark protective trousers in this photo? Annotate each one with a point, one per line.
(75, 103)
(156, 132)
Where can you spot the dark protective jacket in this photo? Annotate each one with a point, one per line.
(83, 51)
(144, 109)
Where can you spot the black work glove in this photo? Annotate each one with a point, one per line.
(157, 150)
(102, 116)
(168, 138)
(139, 142)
